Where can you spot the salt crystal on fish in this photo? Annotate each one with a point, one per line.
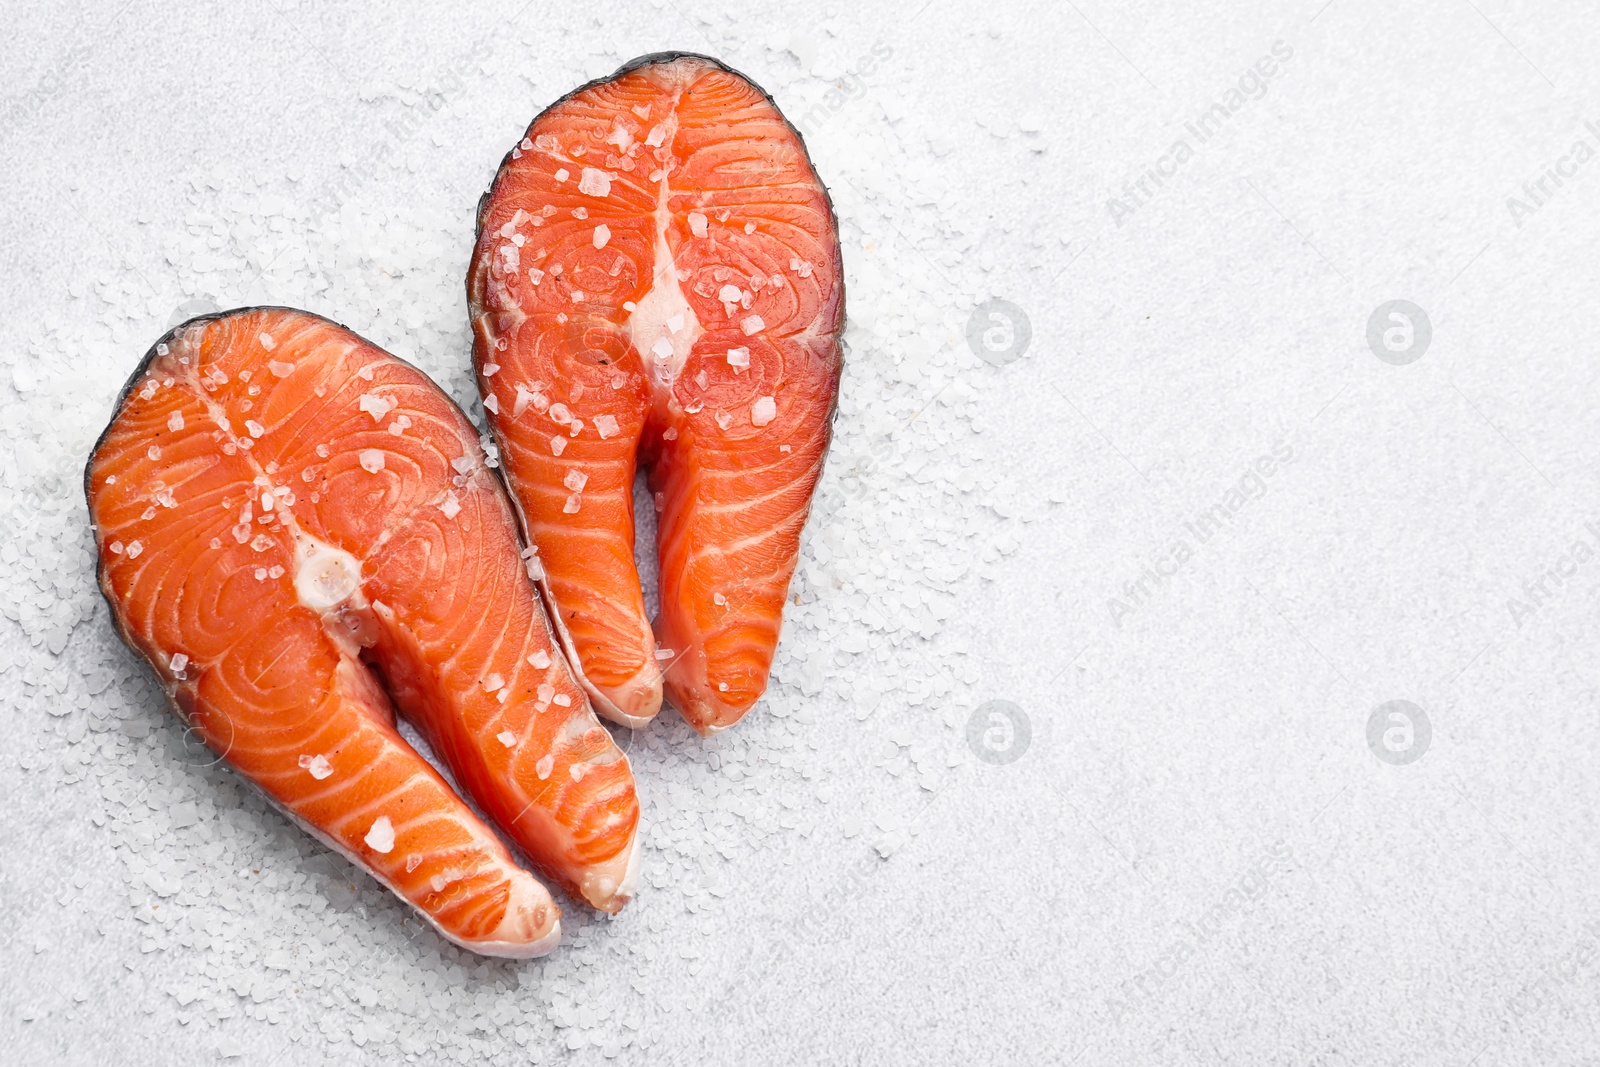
(381, 837)
(506, 738)
(279, 368)
(318, 766)
(752, 324)
(738, 358)
(371, 460)
(602, 235)
(606, 426)
(373, 405)
(178, 662)
(492, 403)
(546, 692)
(594, 182)
(558, 445)
(697, 224)
(175, 421)
(662, 349)
(540, 660)
(563, 701)
(268, 343)
(489, 369)
(546, 764)
(493, 682)
(573, 504)
(451, 506)
(575, 480)
(763, 411)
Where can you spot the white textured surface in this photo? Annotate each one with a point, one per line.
(1198, 858)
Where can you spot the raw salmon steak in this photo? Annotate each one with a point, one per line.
(299, 533)
(657, 278)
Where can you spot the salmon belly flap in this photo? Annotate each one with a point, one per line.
(657, 279)
(298, 532)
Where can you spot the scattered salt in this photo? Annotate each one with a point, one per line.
(371, 460)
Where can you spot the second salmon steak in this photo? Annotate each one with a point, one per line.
(657, 279)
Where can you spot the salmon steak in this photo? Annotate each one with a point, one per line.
(657, 280)
(299, 532)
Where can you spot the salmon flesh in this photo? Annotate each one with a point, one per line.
(298, 531)
(657, 278)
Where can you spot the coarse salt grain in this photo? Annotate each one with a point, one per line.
(546, 764)
(317, 766)
(506, 738)
(540, 660)
(371, 460)
(381, 837)
(763, 411)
